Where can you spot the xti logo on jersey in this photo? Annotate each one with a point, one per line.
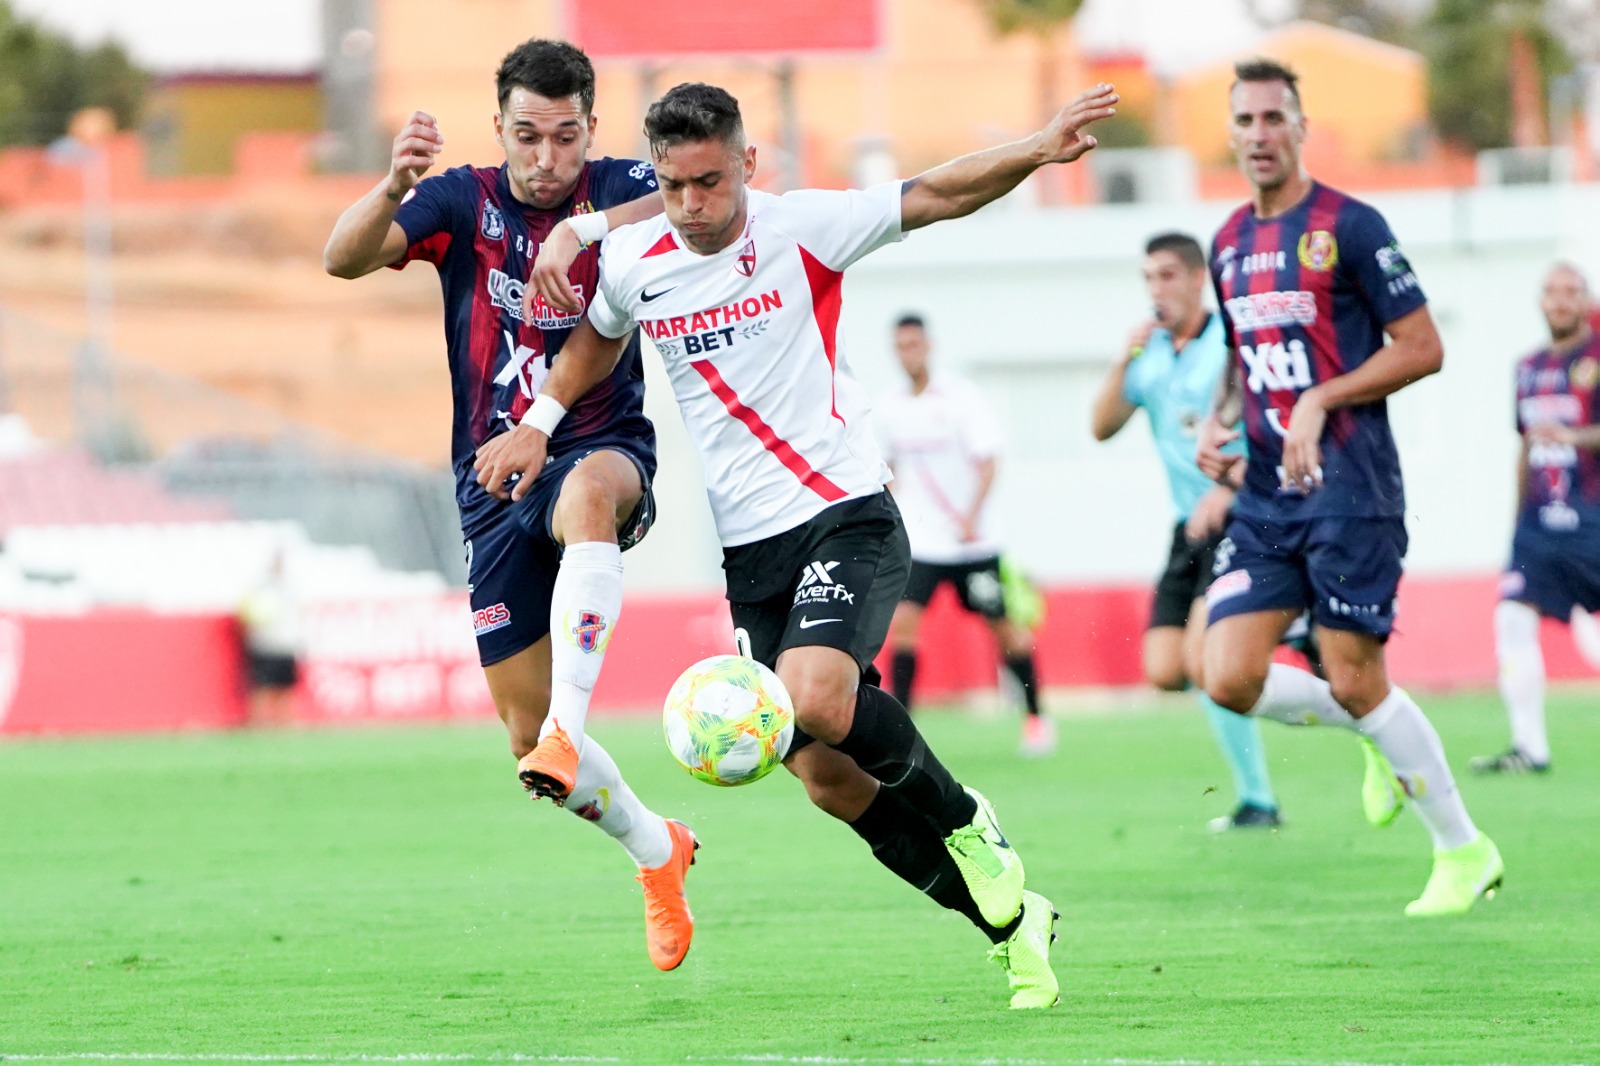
(483, 241)
(1306, 296)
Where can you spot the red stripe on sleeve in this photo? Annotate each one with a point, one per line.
(827, 297)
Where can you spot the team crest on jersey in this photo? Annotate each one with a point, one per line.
(492, 224)
(1585, 373)
(746, 263)
(1318, 250)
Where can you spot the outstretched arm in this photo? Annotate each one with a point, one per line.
(963, 185)
(584, 361)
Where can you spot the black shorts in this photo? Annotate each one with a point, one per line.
(977, 584)
(830, 582)
(1184, 580)
(273, 670)
(512, 557)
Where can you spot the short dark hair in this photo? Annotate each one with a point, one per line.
(1263, 69)
(554, 69)
(910, 318)
(1185, 247)
(693, 111)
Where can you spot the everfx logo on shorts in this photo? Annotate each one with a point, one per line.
(818, 586)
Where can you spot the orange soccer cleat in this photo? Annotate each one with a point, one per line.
(551, 768)
(668, 925)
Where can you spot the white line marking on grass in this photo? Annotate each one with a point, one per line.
(798, 1060)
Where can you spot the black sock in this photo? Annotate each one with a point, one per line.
(1021, 667)
(902, 673)
(885, 743)
(904, 842)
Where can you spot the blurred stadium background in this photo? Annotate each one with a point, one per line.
(185, 396)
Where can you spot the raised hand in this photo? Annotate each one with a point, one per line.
(1063, 140)
(414, 149)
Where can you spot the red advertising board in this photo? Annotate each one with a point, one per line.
(676, 28)
(117, 670)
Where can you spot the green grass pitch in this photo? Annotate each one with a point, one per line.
(389, 893)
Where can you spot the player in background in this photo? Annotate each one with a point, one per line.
(741, 292)
(543, 558)
(1170, 369)
(1309, 281)
(943, 442)
(1555, 551)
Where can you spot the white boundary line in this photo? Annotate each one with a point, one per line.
(516, 1057)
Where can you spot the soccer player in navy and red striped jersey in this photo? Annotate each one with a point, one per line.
(1310, 281)
(543, 557)
(1555, 551)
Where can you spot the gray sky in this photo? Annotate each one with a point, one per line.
(186, 35)
(282, 35)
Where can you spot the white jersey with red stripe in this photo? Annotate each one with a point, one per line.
(750, 340)
(934, 441)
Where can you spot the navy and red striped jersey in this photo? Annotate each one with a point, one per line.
(483, 242)
(1305, 298)
(1562, 388)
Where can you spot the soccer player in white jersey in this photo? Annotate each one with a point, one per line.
(740, 291)
(943, 442)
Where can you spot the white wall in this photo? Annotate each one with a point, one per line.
(1032, 303)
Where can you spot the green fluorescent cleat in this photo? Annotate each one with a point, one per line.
(1382, 795)
(988, 864)
(1460, 876)
(1026, 956)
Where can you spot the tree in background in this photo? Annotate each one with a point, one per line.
(1476, 51)
(45, 79)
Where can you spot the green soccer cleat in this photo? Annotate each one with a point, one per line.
(1025, 955)
(1382, 794)
(989, 865)
(1460, 876)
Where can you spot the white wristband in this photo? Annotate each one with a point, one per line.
(545, 415)
(590, 226)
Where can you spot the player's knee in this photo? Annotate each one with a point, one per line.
(1236, 691)
(823, 706)
(1357, 691)
(1168, 677)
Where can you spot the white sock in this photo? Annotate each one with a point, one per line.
(1298, 697)
(1586, 635)
(1407, 739)
(1516, 642)
(583, 614)
(601, 796)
